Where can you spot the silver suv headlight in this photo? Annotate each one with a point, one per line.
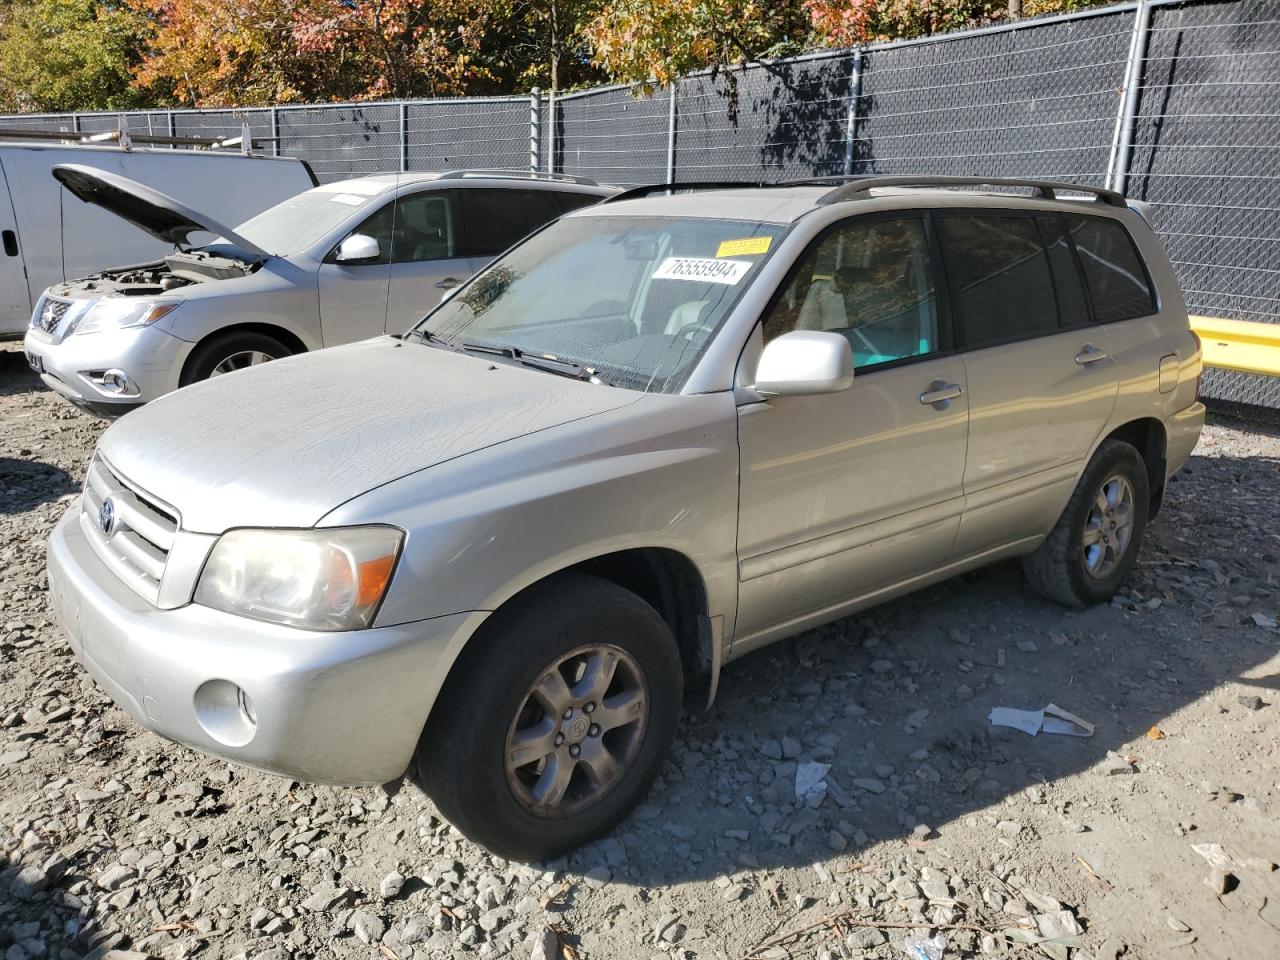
(329, 579)
(118, 313)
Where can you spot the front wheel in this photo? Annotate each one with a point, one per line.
(1095, 543)
(555, 720)
(229, 352)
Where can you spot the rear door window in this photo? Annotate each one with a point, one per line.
(1118, 282)
(496, 219)
(1002, 287)
(1073, 306)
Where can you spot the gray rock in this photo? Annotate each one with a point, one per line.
(326, 897)
(368, 927)
(597, 877)
(771, 749)
(869, 784)
(881, 666)
(113, 878)
(790, 748)
(391, 885)
(546, 946)
(865, 938)
(415, 930)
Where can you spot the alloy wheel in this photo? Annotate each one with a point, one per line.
(578, 729)
(1108, 530)
(240, 360)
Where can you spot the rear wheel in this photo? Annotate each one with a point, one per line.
(1095, 543)
(229, 352)
(555, 721)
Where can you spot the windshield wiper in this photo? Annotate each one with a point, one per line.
(537, 361)
(424, 335)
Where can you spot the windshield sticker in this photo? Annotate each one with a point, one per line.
(746, 247)
(348, 199)
(702, 270)
(368, 188)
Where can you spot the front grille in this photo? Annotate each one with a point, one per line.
(133, 535)
(49, 314)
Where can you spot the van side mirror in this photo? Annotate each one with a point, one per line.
(358, 248)
(803, 363)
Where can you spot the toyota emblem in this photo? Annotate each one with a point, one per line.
(107, 516)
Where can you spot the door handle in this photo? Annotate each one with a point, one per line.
(940, 393)
(448, 283)
(10, 240)
(1089, 354)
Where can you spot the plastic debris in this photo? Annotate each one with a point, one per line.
(1052, 719)
(919, 947)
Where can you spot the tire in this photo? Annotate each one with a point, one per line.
(221, 348)
(1064, 568)
(489, 700)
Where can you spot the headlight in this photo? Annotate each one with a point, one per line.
(117, 313)
(330, 579)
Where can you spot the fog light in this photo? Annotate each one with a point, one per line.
(116, 381)
(226, 712)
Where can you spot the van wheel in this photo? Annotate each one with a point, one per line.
(555, 720)
(1095, 543)
(229, 352)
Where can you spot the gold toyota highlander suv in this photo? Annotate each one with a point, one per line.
(655, 435)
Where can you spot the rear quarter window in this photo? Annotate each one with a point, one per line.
(1117, 278)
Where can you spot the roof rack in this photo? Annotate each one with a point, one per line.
(650, 189)
(860, 187)
(517, 175)
(126, 139)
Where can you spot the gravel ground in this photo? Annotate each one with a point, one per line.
(1157, 837)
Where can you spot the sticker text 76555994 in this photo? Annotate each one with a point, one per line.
(702, 269)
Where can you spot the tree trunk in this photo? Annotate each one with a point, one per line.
(1015, 9)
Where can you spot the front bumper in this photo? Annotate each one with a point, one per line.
(151, 358)
(344, 708)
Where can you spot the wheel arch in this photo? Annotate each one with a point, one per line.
(283, 334)
(1149, 437)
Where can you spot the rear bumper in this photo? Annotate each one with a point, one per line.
(344, 708)
(1183, 433)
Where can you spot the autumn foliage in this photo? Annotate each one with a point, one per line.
(94, 54)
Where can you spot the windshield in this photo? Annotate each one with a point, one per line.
(295, 224)
(635, 298)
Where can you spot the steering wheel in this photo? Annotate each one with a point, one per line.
(690, 330)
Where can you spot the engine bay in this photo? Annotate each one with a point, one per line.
(179, 269)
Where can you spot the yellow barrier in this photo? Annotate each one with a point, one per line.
(1239, 344)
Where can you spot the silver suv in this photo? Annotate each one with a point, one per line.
(342, 262)
(660, 433)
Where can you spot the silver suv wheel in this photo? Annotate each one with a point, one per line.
(240, 360)
(1109, 527)
(578, 729)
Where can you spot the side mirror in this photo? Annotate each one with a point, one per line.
(805, 362)
(356, 248)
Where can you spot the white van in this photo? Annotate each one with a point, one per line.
(47, 235)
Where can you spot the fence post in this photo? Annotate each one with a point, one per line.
(404, 136)
(75, 123)
(1122, 137)
(551, 131)
(535, 129)
(275, 132)
(851, 120)
(671, 133)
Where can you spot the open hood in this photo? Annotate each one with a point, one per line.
(155, 212)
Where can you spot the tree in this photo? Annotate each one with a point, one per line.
(541, 43)
(70, 55)
(399, 48)
(643, 41)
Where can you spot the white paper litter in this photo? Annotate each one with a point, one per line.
(1052, 719)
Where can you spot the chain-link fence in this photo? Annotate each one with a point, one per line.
(1176, 102)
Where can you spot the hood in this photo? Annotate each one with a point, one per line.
(283, 444)
(157, 213)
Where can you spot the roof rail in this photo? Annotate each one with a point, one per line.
(650, 189)
(517, 175)
(860, 188)
(125, 139)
